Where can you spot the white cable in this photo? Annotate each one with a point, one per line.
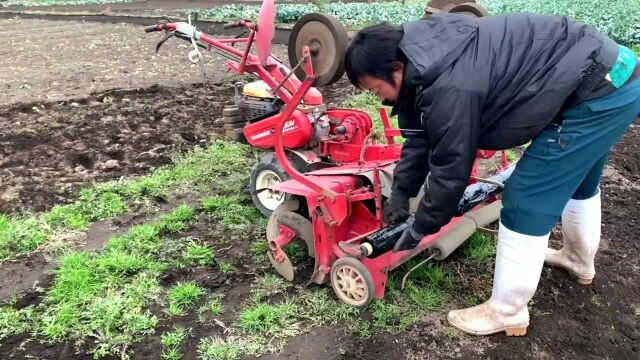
(195, 53)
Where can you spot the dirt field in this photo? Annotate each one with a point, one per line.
(141, 105)
(94, 103)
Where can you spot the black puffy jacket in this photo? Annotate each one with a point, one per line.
(489, 83)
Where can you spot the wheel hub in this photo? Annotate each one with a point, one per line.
(351, 283)
(327, 40)
(269, 198)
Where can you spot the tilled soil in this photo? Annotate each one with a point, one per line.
(49, 150)
(52, 147)
(65, 124)
(43, 61)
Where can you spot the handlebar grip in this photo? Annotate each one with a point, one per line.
(229, 25)
(151, 28)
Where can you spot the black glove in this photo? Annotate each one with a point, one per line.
(396, 209)
(408, 240)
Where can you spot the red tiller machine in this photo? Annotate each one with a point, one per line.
(337, 173)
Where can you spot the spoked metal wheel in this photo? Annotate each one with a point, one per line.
(352, 282)
(302, 229)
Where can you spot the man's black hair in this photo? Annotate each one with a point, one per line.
(373, 51)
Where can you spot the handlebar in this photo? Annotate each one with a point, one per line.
(151, 28)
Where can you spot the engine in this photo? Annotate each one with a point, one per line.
(255, 101)
(337, 134)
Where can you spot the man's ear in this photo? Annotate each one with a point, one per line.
(397, 66)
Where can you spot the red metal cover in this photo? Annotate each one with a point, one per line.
(266, 30)
(296, 133)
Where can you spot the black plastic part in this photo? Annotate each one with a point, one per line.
(383, 240)
(151, 28)
(476, 193)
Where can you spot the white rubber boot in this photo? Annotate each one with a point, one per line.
(581, 224)
(519, 261)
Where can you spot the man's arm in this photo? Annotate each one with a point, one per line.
(412, 169)
(452, 125)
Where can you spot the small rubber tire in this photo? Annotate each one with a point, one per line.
(266, 170)
(236, 135)
(233, 119)
(343, 279)
(233, 126)
(230, 111)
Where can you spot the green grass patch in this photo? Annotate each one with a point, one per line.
(171, 342)
(264, 327)
(141, 239)
(184, 295)
(211, 309)
(19, 235)
(391, 316)
(215, 306)
(268, 285)
(270, 320)
(91, 206)
(105, 295)
(219, 349)
(13, 321)
(369, 103)
(113, 314)
(226, 267)
(259, 249)
(230, 211)
(427, 297)
(479, 247)
(429, 274)
(596, 300)
(322, 308)
(361, 329)
(68, 217)
(296, 252)
(197, 254)
(221, 166)
(427, 288)
(178, 220)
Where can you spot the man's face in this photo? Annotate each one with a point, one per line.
(381, 88)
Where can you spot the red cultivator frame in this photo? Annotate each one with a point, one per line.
(337, 197)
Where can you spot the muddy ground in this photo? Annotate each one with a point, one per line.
(64, 126)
